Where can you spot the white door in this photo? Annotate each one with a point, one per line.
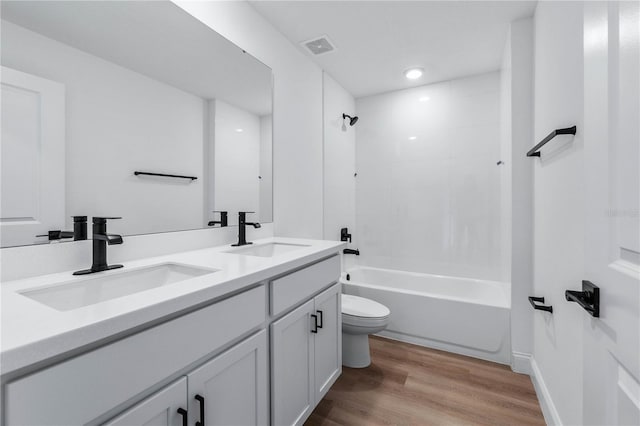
(32, 158)
(611, 359)
(232, 389)
(164, 408)
(292, 388)
(328, 340)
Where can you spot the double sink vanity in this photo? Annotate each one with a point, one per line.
(219, 336)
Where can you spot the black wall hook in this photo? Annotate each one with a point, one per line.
(588, 298)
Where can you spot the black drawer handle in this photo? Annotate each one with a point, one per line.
(533, 301)
(183, 413)
(315, 323)
(320, 314)
(200, 399)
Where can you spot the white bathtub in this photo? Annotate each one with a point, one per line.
(461, 315)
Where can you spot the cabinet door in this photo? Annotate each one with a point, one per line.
(328, 341)
(160, 409)
(292, 394)
(232, 389)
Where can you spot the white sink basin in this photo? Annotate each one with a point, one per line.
(112, 284)
(267, 250)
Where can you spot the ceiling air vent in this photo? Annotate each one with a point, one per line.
(319, 46)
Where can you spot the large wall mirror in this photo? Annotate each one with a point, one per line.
(94, 91)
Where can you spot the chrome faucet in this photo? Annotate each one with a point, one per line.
(242, 230)
(100, 241)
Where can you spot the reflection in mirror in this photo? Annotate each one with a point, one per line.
(95, 91)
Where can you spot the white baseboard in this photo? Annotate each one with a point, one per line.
(521, 363)
(549, 411)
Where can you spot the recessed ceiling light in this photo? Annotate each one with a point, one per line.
(239, 130)
(413, 138)
(413, 73)
(424, 99)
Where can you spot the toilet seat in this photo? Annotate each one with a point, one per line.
(364, 322)
(356, 308)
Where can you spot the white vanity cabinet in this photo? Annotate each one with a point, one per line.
(264, 355)
(164, 408)
(89, 387)
(306, 351)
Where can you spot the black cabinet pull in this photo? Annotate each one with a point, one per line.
(200, 399)
(320, 313)
(183, 413)
(315, 323)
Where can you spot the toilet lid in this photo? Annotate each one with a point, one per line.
(360, 307)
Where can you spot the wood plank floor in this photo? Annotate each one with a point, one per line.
(412, 385)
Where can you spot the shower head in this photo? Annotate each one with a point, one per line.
(352, 120)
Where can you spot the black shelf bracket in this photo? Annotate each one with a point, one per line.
(533, 300)
(137, 173)
(588, 298)
(535, 151)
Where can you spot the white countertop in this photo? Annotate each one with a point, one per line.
(33, 332)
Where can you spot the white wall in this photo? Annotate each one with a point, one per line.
(339, 160)
(431, 204)
(297, 120)
(505, 156)
(236, 148)
(115, 119)
(516, 93)
(339, 164)
(266, 168)
(559, 204)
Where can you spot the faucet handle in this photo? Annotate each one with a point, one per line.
(101, 219)
(57, 235)
(345, 235)
(223, 218)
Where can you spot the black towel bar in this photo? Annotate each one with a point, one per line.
(164, 175)
(533, 300)
(534, 152)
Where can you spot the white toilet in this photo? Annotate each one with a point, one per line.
(360, 317)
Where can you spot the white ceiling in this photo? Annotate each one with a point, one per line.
(377, 40)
